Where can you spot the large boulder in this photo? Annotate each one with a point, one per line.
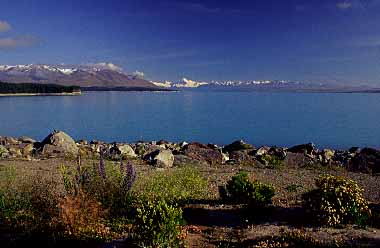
(262, 151)
(243, 157)
(161, 158)
(238, 145)
(183, 160)
(122, 151)
(25, 139)
(6, 141)
(3, 152)
(367, 160)
(296, 160)
(15, 152)
(27, 149)
(59, 142)
(326, 156)
(308, 149)
(278, 152)
(204, 153)
(142, 149)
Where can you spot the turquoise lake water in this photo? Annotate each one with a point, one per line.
(283, 119)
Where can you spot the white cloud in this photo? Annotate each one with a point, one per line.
(138, 74)
(11, 43)
(4, 26)
(107, 66)
(344, 5)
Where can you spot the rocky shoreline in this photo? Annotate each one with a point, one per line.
(164, 154)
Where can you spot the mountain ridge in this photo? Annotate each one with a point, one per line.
(96, 75)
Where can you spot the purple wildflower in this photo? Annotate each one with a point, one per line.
(85, 176)
(130, 176)
(123, 168)
(77, 179)
(102, 169)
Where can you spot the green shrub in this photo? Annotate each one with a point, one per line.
(175, 186)
(241, 190)
(28, 202)
(336, 201)
(158, 224)
(293, 187)
(271, 161)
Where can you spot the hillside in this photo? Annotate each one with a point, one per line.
(106, 75)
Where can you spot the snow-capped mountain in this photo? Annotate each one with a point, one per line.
(166, 84)
(183, 83)
(93, 75)
(188, 83)
(254, 83)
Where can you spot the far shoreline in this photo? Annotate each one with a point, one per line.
(42, 94)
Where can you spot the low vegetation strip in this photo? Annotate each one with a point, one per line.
(32, 88)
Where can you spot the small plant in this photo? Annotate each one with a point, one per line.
(108, 183)
(242, 190)
(293, 187)
(271, 161)
(82, 218)
(158, 224)
(336, 201)
(178, 186)
(29, 203)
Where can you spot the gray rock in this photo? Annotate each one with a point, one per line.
(83, 142)
(126, 150)
(309, 149)
(122, 151)
(237, 146)
(61, 142)
(148, 148)
(3, 152)
(25, 139)
(161, 158)
(262, 151)
(326, 155)
(367, 161)
(241, 157)
(277, 152)
(204, 153)
(15, 152)
(27, 149)
(8, 141)
(183, 143)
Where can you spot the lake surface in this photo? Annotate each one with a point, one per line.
(283, 119)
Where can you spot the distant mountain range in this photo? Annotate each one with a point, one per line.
(107, 76)
(265, 85)
(99, 75)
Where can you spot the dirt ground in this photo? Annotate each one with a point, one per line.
(214, 224)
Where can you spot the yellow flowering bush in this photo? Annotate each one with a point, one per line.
(336, 201)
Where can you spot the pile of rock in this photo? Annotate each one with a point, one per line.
(164, 154)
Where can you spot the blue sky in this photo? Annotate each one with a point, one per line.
(316, 41)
